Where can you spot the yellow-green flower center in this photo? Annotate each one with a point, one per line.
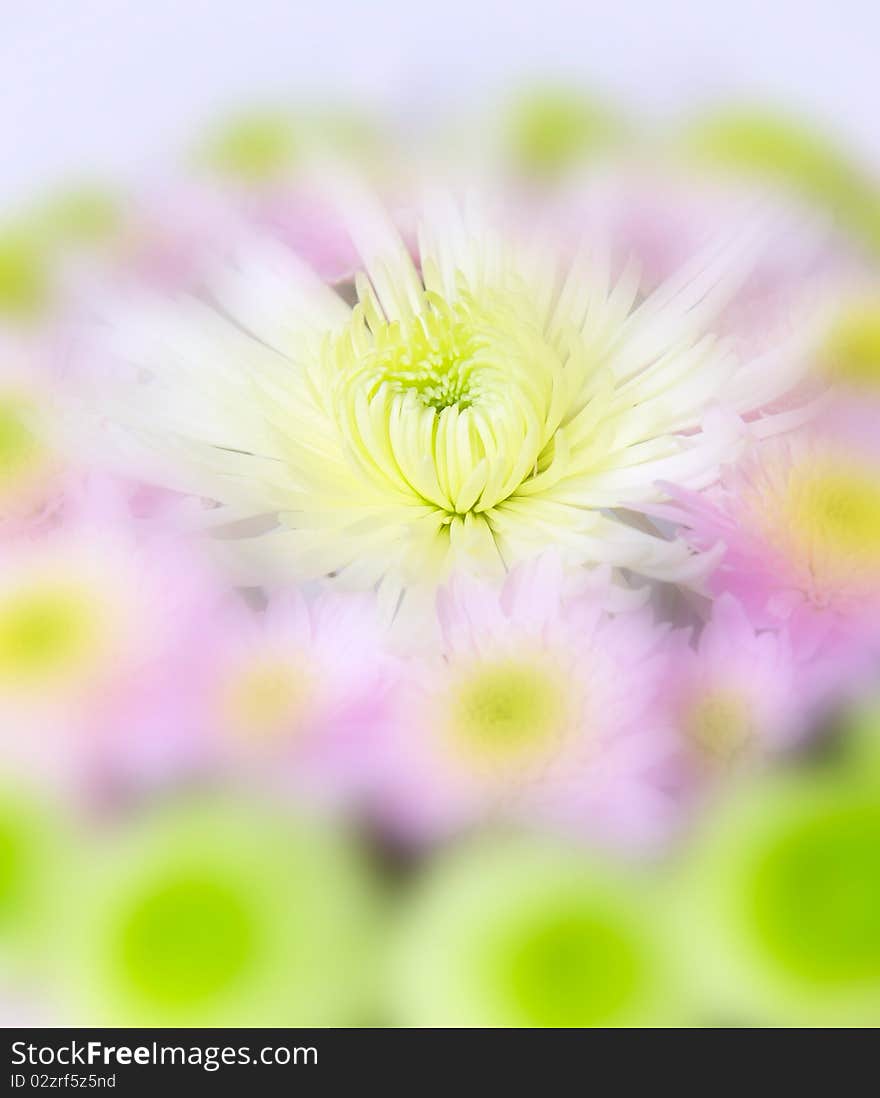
(18, 441)
(508, 711)
(45, 632)
(24, 288)
(551, 129)
(437, 361)
(852, 352)
(255, 148)
(456, 406)
(837, 511)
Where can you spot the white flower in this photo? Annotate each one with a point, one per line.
(471, 408)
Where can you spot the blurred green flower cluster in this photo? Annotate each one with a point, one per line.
(226, 913)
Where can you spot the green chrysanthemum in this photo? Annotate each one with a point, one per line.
(34, 847)
(859, 739)
(467, 410)
(516, 933)
(782, 910)
(219, 916)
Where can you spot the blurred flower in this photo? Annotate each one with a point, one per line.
(298, 689)
(253, 147)
(540, 707)
(32, 468)
(859, 735)
(525, 534)
(851, 355)
(48, 249)
(780, 922)
(24, 277)
(88, 611)
(228, 914)
(464, 414)
(168, 238)
(264, 147)
(523, 934)
(798, 523)
(78, 216)
(256, 162)
(304, 220)
(552, 130)
(32, 846)
(795, 156)
(735, 697)
(174, 235)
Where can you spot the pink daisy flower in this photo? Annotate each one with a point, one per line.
(90, 607)
(295, 691)
(796, 528)
(736, 695)
(539, 707)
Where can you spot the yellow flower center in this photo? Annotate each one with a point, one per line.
(508, 712)
(19, 445)
(852, 351)
(456, 406)
(47, 633)
(438, 360)
(24, 286)
(267, 699)
(836, 512)
(720, 723)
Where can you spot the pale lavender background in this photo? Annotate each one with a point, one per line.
(97, 86)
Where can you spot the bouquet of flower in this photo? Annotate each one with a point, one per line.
(445, 598)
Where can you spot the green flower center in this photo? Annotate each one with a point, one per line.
(815, 898)
(186, 940)
(20, 854)
(570, 967)
(435, 363)
(447, 356)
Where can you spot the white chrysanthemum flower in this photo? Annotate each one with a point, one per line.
(472, 407)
